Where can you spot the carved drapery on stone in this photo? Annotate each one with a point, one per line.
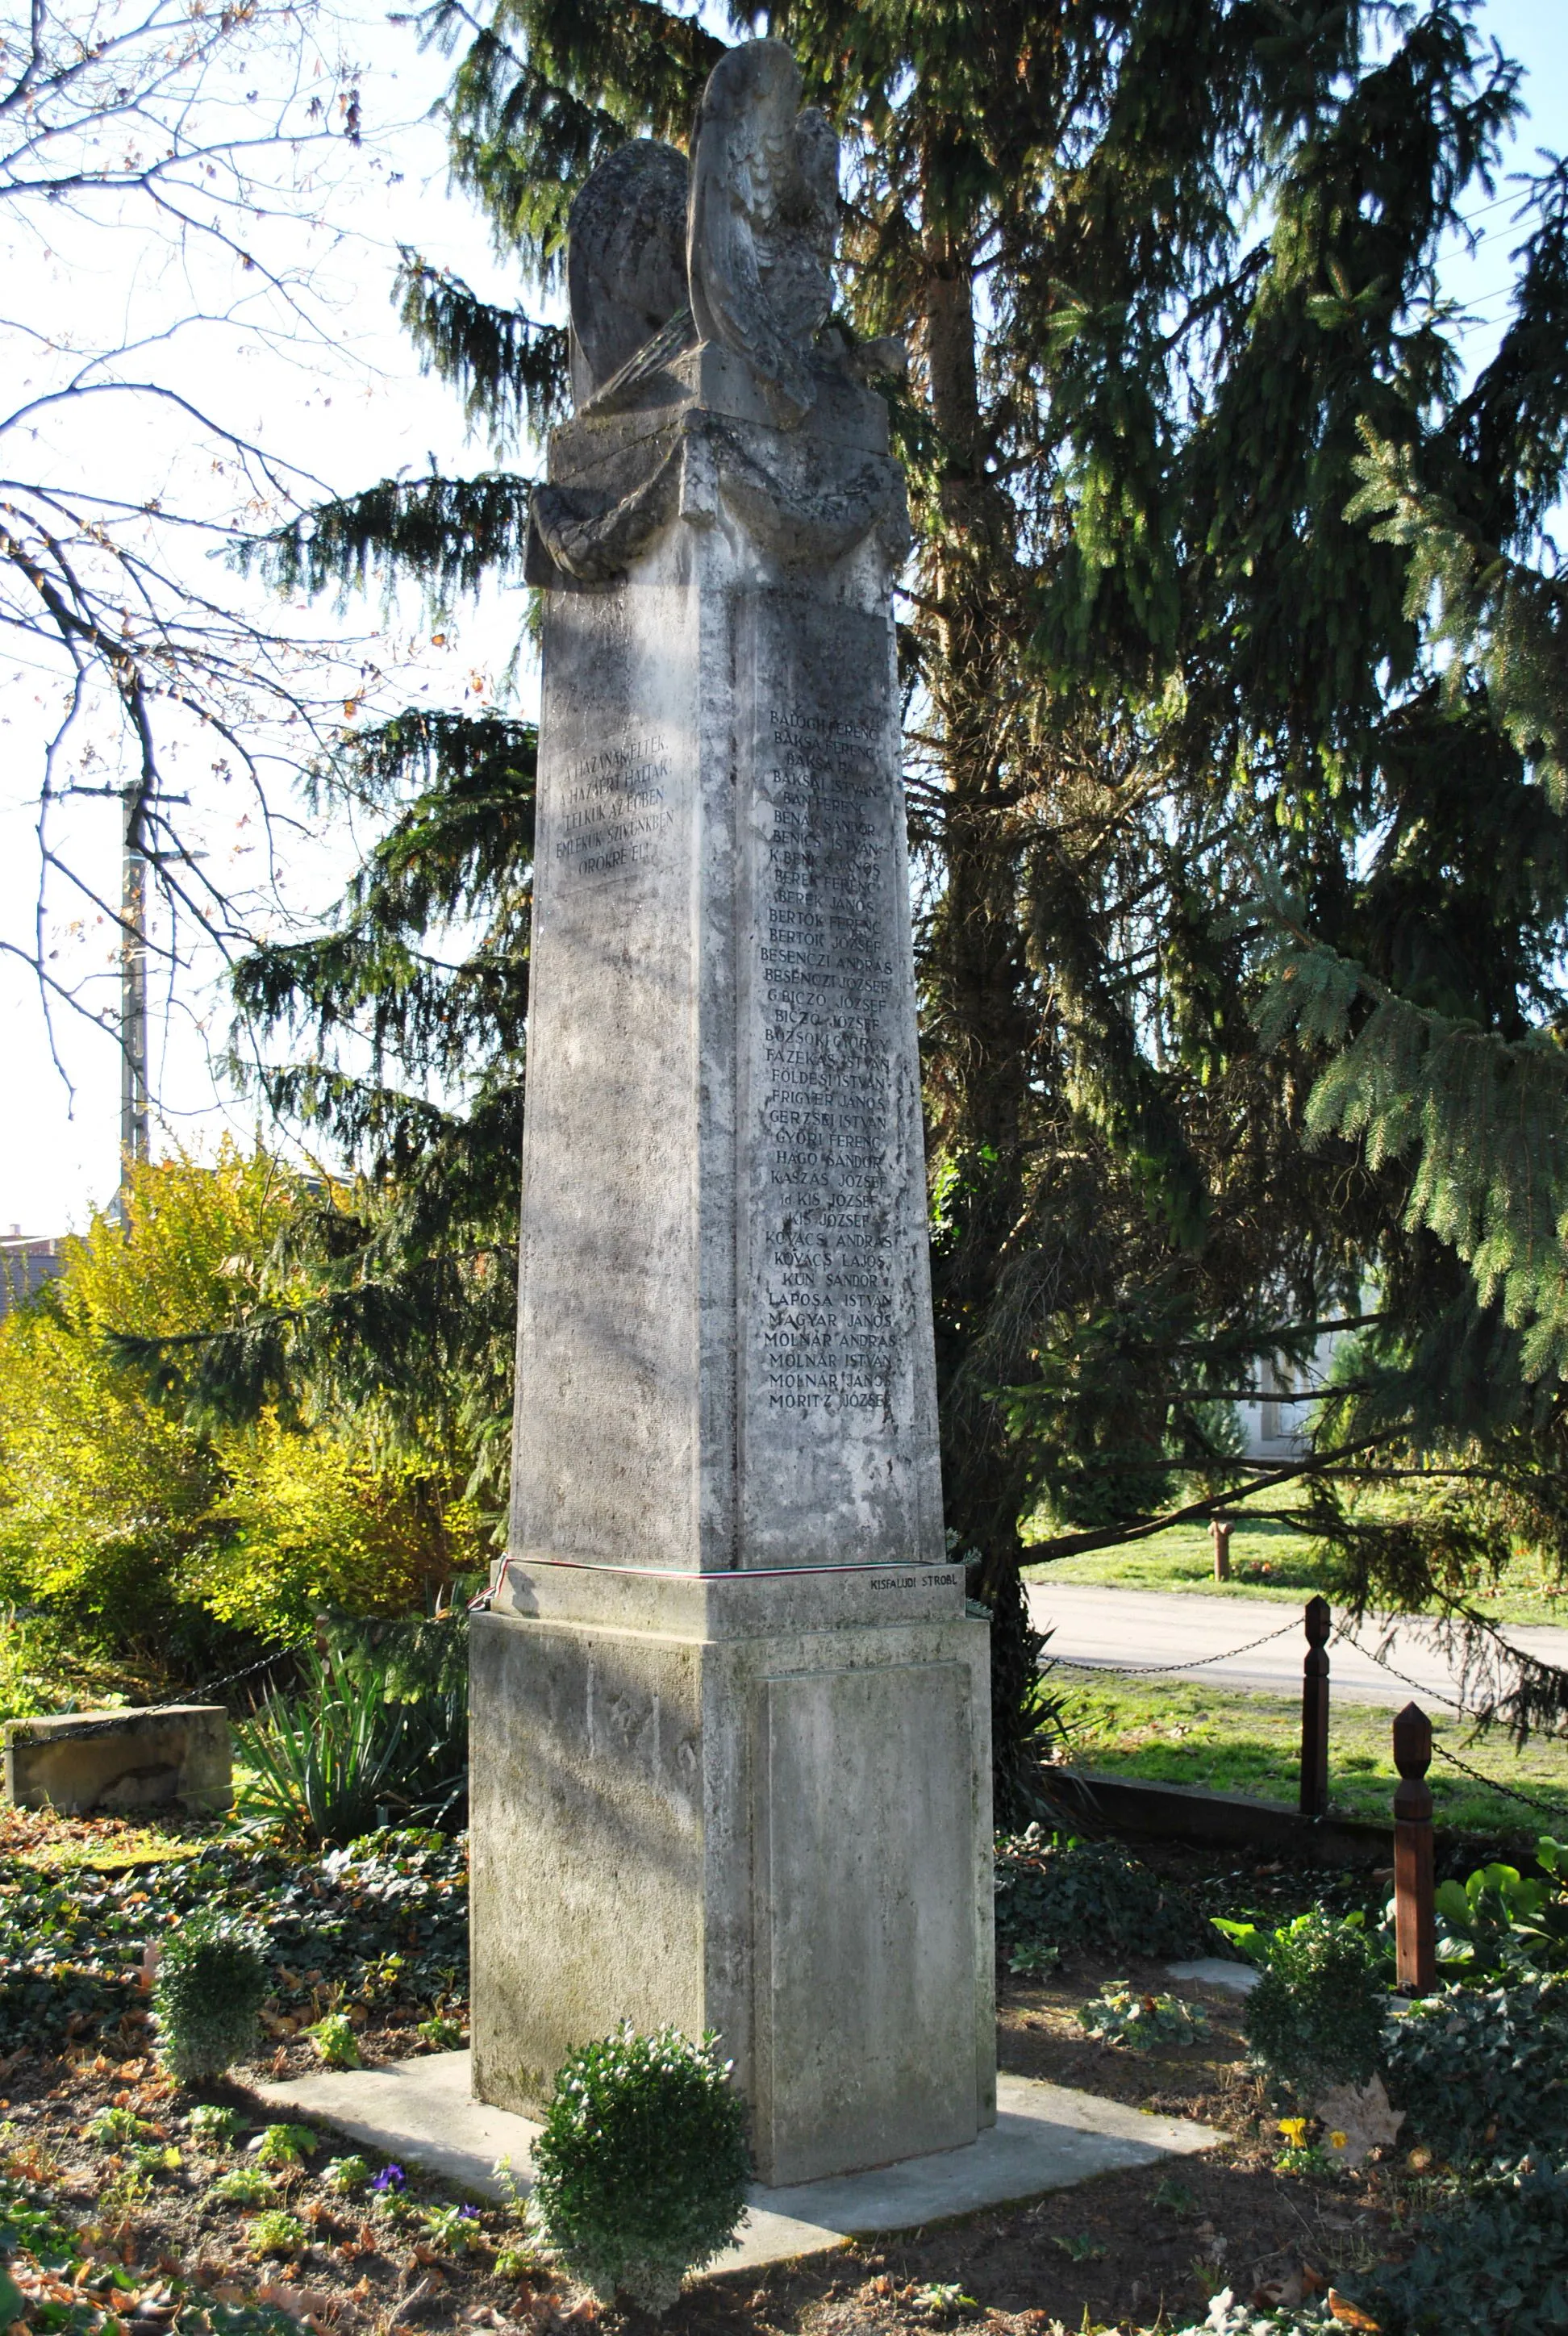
(800, 506)
(698, 304)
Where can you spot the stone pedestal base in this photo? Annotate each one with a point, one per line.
(754, 1803)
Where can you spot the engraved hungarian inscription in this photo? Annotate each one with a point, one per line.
(826, 987)
(614, 808)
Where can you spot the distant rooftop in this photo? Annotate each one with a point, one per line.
(27, 1260)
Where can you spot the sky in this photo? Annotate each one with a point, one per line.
(349, 401)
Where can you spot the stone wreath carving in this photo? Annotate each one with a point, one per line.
(734, 250)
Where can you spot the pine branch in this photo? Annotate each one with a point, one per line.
(450, 533)
(512, 374)
(1483, 1120)
(1500, 618)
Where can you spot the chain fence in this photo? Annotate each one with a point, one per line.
(1153, 1670)
(1346, 1637)
(1496, 1784)
(210, 1687)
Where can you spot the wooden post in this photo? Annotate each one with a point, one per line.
(1320, 1621)
(1220, 1528)
(1415, 1926)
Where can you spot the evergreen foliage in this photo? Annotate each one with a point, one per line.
(1317, 2015)
(1481, 2072)
(211, 1980)
(640, 2171)
(511, 371)
(1232, 647)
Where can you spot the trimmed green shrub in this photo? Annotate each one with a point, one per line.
(1496, 2265)
(1317, 2015)
(1059, 1895)
(1484, 2074)
(641, 2169)
(211, 1980)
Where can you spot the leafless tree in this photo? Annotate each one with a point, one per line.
(182, 153)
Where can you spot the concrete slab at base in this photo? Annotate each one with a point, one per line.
(1213, 1970)
(1046, 2138)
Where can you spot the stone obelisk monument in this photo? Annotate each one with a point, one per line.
(730, 1720)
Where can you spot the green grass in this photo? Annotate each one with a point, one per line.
(1181, 1732)
(1266, 1561)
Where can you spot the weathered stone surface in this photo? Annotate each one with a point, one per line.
(763, 220)
(84, 1760)
(625, 264)
(1046, 2138)
(724, 1347)
(730, 1723)
(756, 1803)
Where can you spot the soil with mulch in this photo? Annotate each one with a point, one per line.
(1115, 2252)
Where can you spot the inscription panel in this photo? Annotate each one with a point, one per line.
(610, 811)
(837, 1456)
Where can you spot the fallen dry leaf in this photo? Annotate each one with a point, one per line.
(1350, 2315)
(1358, 2119)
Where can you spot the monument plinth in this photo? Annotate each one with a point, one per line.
(730, 1726)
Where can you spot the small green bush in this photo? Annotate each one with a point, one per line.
(211, 1980)
(337, 2046)
(1056, 1894)
(278, 2234)
(113, 2129)
(286, 2144)
(243, 2185)
(346, 2176)
(1484, 2074)
(1498, 2263)
(213, 2127)
(641, 2169)
(1316, 2017)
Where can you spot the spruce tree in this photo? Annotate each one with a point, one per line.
(1233, 716)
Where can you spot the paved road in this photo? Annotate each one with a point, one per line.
(1112, 1629)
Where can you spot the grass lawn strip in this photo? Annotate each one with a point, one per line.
(1270, 1561)
(1232, 1740)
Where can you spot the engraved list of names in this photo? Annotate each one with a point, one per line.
(831, 1106)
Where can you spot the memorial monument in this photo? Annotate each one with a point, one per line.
(730, 1717)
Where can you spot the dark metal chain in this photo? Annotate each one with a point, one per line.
(1495, 1785)
(1148, 1670)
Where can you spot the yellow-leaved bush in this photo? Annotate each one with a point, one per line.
(118, 1517)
